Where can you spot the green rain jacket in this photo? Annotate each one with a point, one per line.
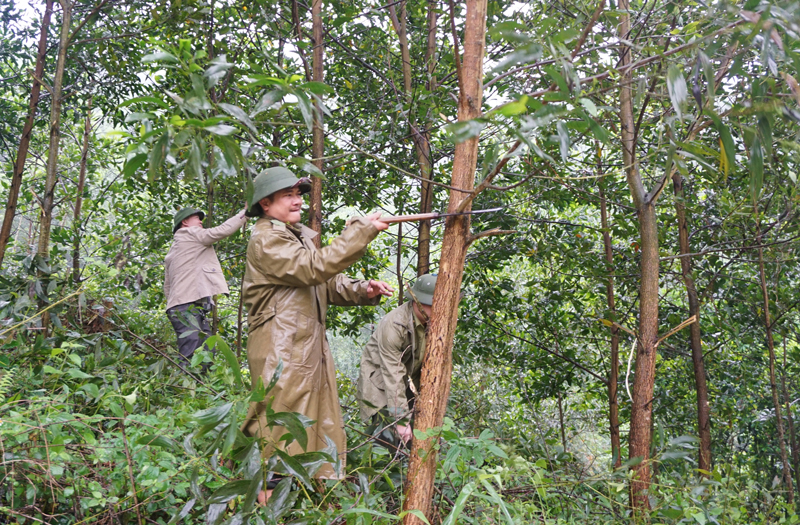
(391, 364)
(288, 284)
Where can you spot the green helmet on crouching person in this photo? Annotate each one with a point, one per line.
(184, 214)
(270, 181)
(422, 291)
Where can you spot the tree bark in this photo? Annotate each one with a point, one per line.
(48, 199)
(773, 383)
(790, 419)
(613, 373)
(703, 417)
(318, 133)
(76, 217)
(642, 408)
(25, 140)
(437, 366)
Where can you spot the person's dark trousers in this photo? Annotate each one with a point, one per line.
(382, 428)
(191, 326)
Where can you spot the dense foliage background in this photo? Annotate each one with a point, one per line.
(165, 104)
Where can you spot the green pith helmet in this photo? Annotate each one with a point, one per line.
(185, 214)
(423, 288)
(271, 180)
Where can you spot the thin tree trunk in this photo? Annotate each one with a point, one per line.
(25, 140)
(318, 133)
(422, 147)
(561, 421)
(438, 363)
(703, 417)
(48, 199)
(76, 217)
(790, 419)
(642, 408)
(773, 383)
(613, 374)
(400, 263)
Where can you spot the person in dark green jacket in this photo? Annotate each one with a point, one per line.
(391, 366)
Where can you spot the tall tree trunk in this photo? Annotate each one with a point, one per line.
(25, 140)
(773, 382)
(438, 363)
(642, 408)
(422, 144)
(703, 418)
(790, 419)
(76, 217)
(48, 200)
(613, 373)
(421, 139)
(318, 133)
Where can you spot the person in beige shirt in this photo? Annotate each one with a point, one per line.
(193, 275)
(288, 284)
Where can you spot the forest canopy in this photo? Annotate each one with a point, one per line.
(617, 343)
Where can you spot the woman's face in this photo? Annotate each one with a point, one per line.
(284, 205)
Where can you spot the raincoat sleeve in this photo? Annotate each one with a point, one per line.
(209, 236)
(345, 291)
(390, 346)
(284, 261)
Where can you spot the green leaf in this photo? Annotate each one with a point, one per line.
(756, 169)
(240, 115)
(91, 389)
(133, 164)
(589, 106)
(558, 78)
(136, 117)
(292, 423)
(221, 129)
(157, 155)
(307, 166)
(252, 491)
(268, 100)
(293, 467)
(152, 100)
(708, 72)
(522, 55)
(676, 87)
(415, 512)
(161, 56)
(215, 513)
(459, 132)
(364, 510)
(514, 108)
(213, 415)
(765, 132)
(460, 503)
(184, 512)
(510, 31)
(306, 109)
(275, 376)
(563, 140)
(229, 491)
(318, 88)
(726, 141)
(74, 373)
(215, 341)
(157, 441)
(282, 499)
(194, 164)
